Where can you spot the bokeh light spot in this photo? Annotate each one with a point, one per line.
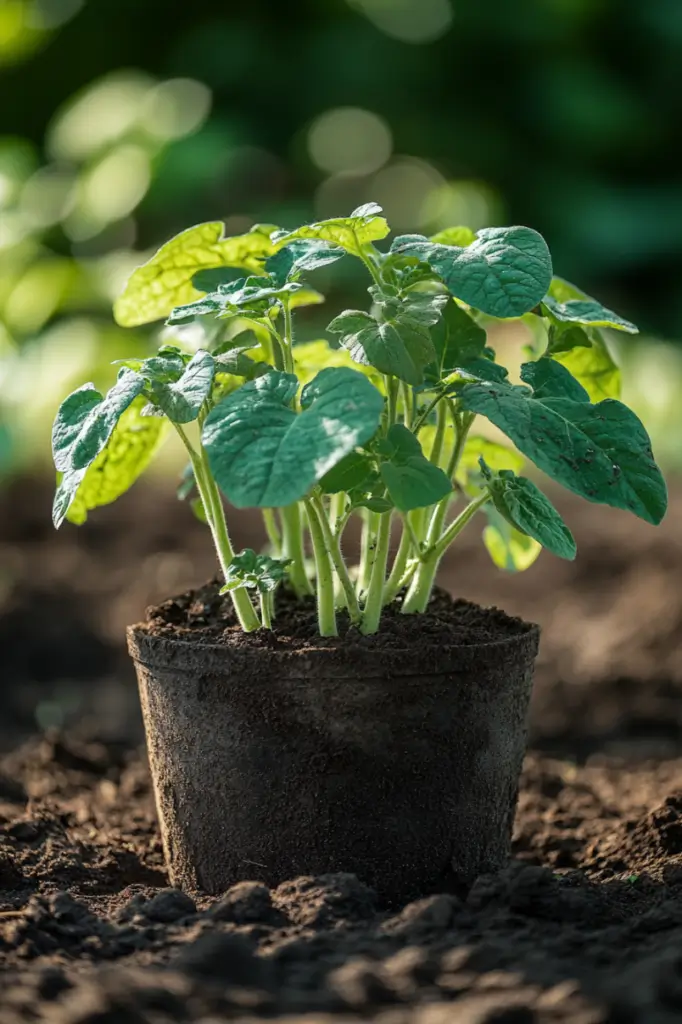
(410, 21)
(471, 203)
(98, 116)
(175, 108)
(404, 189)
(112, 189)
(349, 139)
(48, 196)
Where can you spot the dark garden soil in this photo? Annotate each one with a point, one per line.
(584, 925)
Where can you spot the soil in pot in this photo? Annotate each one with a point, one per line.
(274, 754)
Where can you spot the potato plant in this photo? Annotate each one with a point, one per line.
(379, 422)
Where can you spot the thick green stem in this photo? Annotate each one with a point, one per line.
(333, 546)
(394, 581)
(273, 531)
(374, 601)
(437, 450)
(418, 595)
(215, 515)
(408, 404)
(370, 525)
(266, 603)
(326, 610)
(292, 548)
(288, 339)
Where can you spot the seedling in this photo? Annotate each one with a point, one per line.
(381, 423)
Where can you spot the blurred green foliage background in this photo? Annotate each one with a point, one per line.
(124, 121)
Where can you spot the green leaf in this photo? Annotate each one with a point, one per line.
(348, 474)
(155, 289)
(509, 549)
(236, 362)
(549, 379)
(505, 272)
(133, 444)
(594, 368)
(566, 339)
(264, 454)
(210, 280)
(476, 370)
(247, 570)
(85, 420)
(350, 233)
(568, 304)
(182, 400)
(601, 452)
(302, 255)
(527, 509)
(399, 345)
(457, 339)
(459, 236)
(411, 480)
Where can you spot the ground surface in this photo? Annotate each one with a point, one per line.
(584, 926)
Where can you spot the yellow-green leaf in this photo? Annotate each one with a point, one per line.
(509, 549)
(351, 233)
(594, 368)
(165, 281)
(460, 236)
(131, 447)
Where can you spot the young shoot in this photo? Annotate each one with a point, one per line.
(387, 424)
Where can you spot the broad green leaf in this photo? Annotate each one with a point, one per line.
(505, 272)
(86, 419)
(399, 345)
(457, 340)
(302, 255)
(564, 340)
(351, 472)
(601, 452)
(459, 236)
(594, 368)
(509, 549)
(264, 454)
(549, 379)
(568, 304)
(155, 289)
(182, 399)
(247, 570)
(133, 444)
(235, 361)
(476, 370)
(411, 480)
(527, 509)
(350, 233)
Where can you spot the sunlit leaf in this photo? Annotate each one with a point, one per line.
(165, 281)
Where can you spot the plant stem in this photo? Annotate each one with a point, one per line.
(215, 515)
(456, 526)
(462, 427)
(273, 531)
(408, 404)
(424, 414)
(418, 595)
(394, 581)
(288, 339)
(266, 610)
(334, 548)
(326, 611)
(375, 594)
(392, 401)
(292, 547)
(370, 525)
(438, 440)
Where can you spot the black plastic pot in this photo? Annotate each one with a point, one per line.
(401, 766)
